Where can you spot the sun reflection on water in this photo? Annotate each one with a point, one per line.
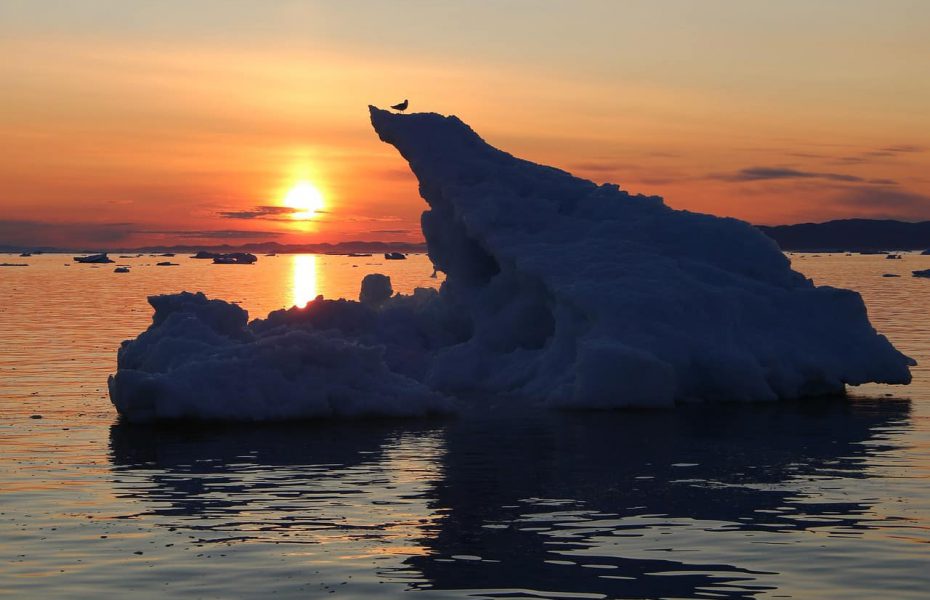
(304, 279)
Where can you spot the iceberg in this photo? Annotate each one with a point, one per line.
(235, 258)
(94, 258)
(558, 291)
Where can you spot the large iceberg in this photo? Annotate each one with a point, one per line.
(557, 290)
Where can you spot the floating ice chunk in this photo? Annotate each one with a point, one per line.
(94, 258)
(235, 258)
(922, 273)
(376, 288)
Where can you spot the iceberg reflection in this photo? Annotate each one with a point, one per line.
(702, 500)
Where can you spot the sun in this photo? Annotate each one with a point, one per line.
(305, 199)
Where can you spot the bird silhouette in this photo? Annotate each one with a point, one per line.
(401, 107)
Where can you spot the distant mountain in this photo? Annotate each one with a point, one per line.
(851, 235)
(847, 235)
(258, 248)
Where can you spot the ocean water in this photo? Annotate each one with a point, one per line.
(818, 499)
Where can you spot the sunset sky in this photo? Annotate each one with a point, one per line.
(142, 123)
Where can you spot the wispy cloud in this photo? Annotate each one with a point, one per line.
(220, 234)
(769, 173)
(891, 203)
(272, 213)
(886, 152)
(597, 167)
(903, 148)
(103, 235)
(38, 233)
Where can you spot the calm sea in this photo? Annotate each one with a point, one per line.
(825, 499)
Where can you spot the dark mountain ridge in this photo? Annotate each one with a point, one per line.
(851, 235)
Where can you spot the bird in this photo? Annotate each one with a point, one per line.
(401, 107)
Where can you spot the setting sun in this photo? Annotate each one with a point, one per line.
(306, 199)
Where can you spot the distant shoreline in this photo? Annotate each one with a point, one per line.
(843, 235)
(851, 235)
(257, 248)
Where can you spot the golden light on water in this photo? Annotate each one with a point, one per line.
(306, 199)
(304, 273)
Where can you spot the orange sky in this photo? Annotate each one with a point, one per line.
(159, 123)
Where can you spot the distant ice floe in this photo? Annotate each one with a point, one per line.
(557, 290)
(94, 258)
(235, 258)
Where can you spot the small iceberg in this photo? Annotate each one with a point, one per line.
(235, 258)
(923, 273)
(94, 258)
(121, 270)
(205, 255)
(893, 257)
(166, 263)
(395, 256)
(890, 275)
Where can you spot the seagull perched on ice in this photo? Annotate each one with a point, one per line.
(401, 107)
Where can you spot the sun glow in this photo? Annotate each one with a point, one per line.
(305, 199)
(304, 282)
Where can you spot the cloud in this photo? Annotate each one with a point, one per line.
(891, 203)
(222, 234)
(769, 173)
(903, 148)
(33, 234)
(806, 155)
(38, 233)
(272, 213)
(596, 167)
(892, 151)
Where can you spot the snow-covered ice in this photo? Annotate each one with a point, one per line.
(376, 288)
(557, 290)
(200, 359)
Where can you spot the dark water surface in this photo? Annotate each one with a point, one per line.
(821, 499)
